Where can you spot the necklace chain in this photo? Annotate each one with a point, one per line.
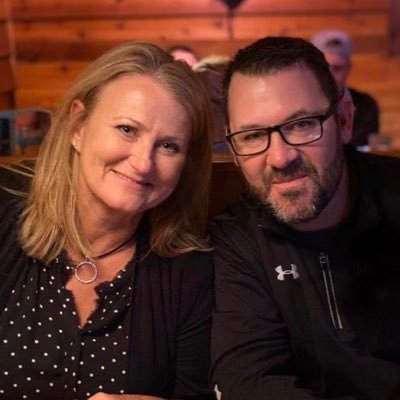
(89, 262)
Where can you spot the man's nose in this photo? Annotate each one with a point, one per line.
(280, 154)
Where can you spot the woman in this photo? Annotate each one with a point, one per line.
(106, 290)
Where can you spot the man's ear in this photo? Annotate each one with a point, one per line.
(345, 115)
(77, 109)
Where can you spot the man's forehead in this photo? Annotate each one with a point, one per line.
(274, 98)
(298, 66)
(290, 77)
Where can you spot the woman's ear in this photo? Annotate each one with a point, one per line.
(77, 109)
(345, 116)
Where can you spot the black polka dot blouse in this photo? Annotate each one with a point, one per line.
(45, 354)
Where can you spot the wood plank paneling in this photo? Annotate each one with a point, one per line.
(4, 43)
(358, 26)
(43, 98)
(127, 29)
(48, 74)
(394, 27)
(288, 6)
(7, 61)
(45, 50)
(84, 38)
(4, 11)
(369, 67)
(6, 76)
(50, 9)
(390, 125)
(6, 101)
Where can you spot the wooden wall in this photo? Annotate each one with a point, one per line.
(56, 39)
(7, 60)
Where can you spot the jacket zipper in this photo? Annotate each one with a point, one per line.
(330, 291)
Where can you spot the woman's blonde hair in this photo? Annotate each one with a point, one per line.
(50, 217)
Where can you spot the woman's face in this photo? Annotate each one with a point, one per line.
(132, 147)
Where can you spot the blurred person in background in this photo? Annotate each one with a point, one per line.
(337, 47)
(184, 53)
(211, 71)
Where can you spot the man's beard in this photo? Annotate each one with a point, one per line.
(290, 206)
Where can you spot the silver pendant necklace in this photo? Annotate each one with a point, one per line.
(89, 262)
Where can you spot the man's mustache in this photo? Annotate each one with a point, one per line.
(295, 169)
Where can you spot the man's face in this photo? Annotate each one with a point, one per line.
(340, 68)
(295, 182)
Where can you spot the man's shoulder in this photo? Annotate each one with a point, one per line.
(380, 174)
(386, 166)
(235, 224)
(240, 213)
(363, 98)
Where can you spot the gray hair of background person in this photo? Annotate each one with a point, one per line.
(334, 41)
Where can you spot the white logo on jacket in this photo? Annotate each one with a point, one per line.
(282, 272)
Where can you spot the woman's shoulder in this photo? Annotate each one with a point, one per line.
(14, 183)
(10, 210)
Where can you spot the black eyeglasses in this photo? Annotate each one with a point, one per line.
(297, 132)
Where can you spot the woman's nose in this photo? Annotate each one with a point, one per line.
(142, 158)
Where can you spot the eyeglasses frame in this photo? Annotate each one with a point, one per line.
(277, 128)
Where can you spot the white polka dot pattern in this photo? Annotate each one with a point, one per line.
(44, 351)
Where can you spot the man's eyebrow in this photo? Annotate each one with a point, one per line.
(297, 114)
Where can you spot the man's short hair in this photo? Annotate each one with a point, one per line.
(274, 53)
(334, 41)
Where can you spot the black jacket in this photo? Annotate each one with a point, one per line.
(366, 117)
(305, 316)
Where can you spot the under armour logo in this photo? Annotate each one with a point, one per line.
(282, 273)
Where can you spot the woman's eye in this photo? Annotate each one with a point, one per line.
(127, 130)
(170, 147)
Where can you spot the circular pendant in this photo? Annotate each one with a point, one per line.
(88, 264)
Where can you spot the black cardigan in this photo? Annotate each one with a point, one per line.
(171, 320)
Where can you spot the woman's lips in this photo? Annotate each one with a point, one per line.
(133, 181)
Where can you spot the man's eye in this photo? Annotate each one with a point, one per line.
(254, 135)
(301, 125)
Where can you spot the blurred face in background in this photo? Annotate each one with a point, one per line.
(184, 55)
(340, 68)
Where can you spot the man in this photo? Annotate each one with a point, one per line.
(307, 265)
(337, 47)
